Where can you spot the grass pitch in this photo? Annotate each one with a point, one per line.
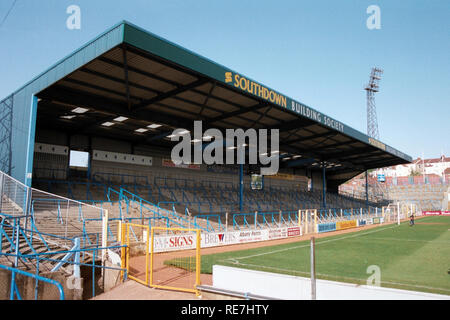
(411, 258)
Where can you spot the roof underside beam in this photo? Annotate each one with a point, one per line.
(236, 113)
(108, 106)
(169, 94)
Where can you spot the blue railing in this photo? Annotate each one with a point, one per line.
(208, 218)
(271, 219)
(15, 234)
(75, 253)
(292, 217)
(14, 291)
(246, 223)
(146, 205)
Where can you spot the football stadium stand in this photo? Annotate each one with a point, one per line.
(117, 100)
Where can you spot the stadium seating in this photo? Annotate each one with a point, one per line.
(429, 192)
(426, 197)
(187, 193)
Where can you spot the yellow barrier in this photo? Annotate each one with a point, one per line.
(175, 270)
(136, 238)
(163, 270)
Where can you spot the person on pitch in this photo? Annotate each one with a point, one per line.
(411, 220)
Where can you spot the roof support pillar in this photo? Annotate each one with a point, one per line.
(324, 186)
(31, 140)
(241, 187)
(367, 189)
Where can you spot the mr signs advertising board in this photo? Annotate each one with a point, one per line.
(188, 240)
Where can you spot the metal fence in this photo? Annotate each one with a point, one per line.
(13, 196)
(44, 254)
(51, 214)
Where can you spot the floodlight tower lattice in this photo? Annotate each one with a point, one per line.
(372, 122)
(371, 88)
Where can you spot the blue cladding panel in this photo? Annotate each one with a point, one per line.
(6, 107)
(20, 134)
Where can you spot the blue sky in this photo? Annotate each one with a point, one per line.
(317, 52)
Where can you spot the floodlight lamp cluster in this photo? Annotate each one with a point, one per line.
(375, 77)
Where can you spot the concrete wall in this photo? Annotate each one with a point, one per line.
(46, 291)
(112, 277)
(84, 142)
(297, 288)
